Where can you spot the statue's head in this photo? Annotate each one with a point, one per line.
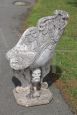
(62, 14)
(60, 17)
(36, 74)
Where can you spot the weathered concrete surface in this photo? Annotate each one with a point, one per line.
(10, 17)
(22, 96)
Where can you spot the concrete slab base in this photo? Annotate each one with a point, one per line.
(21, 93)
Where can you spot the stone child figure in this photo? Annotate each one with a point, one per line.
(35, 82)
(35, 49)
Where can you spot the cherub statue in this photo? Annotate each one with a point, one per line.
(36, 47)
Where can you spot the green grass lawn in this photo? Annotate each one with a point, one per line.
(66, 50)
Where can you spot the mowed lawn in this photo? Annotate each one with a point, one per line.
(66, 51)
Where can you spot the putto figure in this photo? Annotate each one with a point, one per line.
(32, 55)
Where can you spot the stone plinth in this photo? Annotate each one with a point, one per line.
(22, 99)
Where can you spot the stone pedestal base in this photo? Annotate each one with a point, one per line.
(21, 98)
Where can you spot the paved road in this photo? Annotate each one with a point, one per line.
(10, 18)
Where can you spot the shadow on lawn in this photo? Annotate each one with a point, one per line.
(52, 77)
(73, 3)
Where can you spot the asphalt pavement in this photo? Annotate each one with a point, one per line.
(10, 20)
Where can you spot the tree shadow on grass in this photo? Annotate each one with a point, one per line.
(73, 3)
(53, 76)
